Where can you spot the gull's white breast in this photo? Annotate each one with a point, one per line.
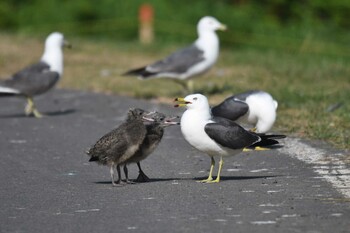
(192, 128)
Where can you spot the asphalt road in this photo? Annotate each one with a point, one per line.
(48, 185)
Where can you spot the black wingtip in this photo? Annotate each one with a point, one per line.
(4, 94)
(268, 140)
(140, 72)
(271, 136)
(135, 72)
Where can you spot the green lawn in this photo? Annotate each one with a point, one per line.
(312, 88)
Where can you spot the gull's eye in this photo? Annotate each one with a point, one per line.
(161, 119)
(195, 98)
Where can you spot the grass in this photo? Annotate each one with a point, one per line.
(313, 89)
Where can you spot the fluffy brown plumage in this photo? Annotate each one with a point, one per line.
(154, 135)
(117, 146)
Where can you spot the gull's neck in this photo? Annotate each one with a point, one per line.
(202, 114)
(208, 41)
(53, 56)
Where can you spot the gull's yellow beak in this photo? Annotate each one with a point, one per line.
(222, 27)
(182, 102)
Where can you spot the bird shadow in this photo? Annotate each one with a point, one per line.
(270, 147)
(150, 180)
(222, 178)
(61, 112)
(51, 113)
(226, 178)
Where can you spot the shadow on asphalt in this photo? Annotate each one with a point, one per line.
(52, 113)
(222, 178)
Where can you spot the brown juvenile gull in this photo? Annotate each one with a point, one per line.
(154, 135)
(190, 61)
(117, 146)
(40, 77)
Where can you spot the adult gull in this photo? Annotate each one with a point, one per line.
(190, 61)
(253, 107)
(216, 136)
(40, 77)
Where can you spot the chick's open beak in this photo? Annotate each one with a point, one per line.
(171, 121)
(182, 102)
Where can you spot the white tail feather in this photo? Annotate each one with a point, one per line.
(8, 90)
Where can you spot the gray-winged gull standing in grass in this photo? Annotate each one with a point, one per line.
(190, 61)
(215, 136)
(39, 77)
(154, 135)
(117, 146)
(253, 107)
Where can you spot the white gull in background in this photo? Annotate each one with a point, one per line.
(190, 61)
(39, 77)
(253, 107)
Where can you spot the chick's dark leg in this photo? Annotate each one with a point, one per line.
(126, 175)
(142, 176)
(118, 183)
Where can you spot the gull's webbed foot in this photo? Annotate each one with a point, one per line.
(37, 114)
(258, 148)
(213, 181)
(261, 148)
(209, 180)
(246, 149)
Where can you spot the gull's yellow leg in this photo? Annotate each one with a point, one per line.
(261, 148)
(210, 177)
(253, 129)
(190, 85)
(217, 180)
(30, 108)
(255, 148)
(182, 83)
(37, 114)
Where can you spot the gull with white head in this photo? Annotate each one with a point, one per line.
(190, 61)
(215, 136)
(39, 77)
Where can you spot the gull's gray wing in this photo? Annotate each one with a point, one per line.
(229, 134)
(33, 80)
(179, 61)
